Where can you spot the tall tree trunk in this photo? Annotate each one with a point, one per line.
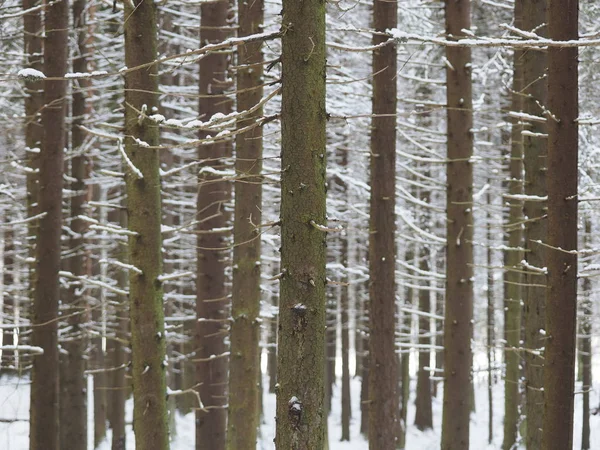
(330, 342)
(272, 345)
(423, 407)
(73, 380)
(34, 101)
(490, 347)
(513, 279)
(534, 94)
(301, 348)
(345, 334)
(363, 323)
(585, 332)
(212, 295)
(44, 417)
(8, 363)
(142, 179)
(561, 307)
(384, 421)
(458, 326)
(244, 370)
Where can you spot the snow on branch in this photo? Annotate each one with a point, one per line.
(93, 282)
(174, 276)
(23, 348)
(529, 267)
(131, 166)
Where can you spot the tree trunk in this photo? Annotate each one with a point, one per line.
(345, 332)
(8, 363)
(244, 370)
(513, 279)
(561, 307)
(458, 326)
(301, 349)
(330, 343)
(34, 101)
(44, 418)
(73, 380)
(142, 179)
(585, 332)
(534, 152)
(213, 241)
(423, 407)
(490, 318)
(384, 421)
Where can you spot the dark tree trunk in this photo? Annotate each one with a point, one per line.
(44, 416)
(561, 307)
(301, 413)
(585, 332)
(8, 363)
(534, 152)
(384, 410)
(458, 326)
(212, 304)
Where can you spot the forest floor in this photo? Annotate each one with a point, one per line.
(14, 405)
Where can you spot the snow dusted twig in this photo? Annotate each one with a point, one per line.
(26, 220)
(191, 390)
(121, 265)
(23, 348)
(112, 229)
(174, 276)
(526, 198)
(326, 229)
(131, 166)
(93, 282)
(529, 267)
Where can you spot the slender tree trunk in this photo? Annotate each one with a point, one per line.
(423, 407)
(534, 151)
(142, 179)
(301, 411)
(73, 380)
(8, 363)
(272, 346)
(513, 279)
(585, 332)
(364, 385)
(212, 293)
(458, 326)
(490, 319)
(244, 370)
(34, 101)
(44, 418)
(384, 421)
(561, 308)
(330, 343)
(439, 324)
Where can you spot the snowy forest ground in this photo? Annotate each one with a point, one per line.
(14, 404)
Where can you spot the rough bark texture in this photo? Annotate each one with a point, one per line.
(458, 326)
(384, 421)
(212, 293)
(561, 307)
(44, 416)
(301, 350)
(148, 343)
(534, 151)
(8, 363)
(73, 381)
(513, 278)
(244, 369)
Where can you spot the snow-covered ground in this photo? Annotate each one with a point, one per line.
(14, 404)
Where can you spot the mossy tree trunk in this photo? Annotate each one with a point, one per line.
(458, 326)
(44, 415)
(148, 343)
(244, 370)
(212, 304)
(384, 410)
(301, 411)
(561, 306)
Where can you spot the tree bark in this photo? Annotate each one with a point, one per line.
(585, 331)
(384, 410)
(534, 94)
(458, 326)
(8, 362)
(73, 380)
(213, 240)
(244, 370)
(301, 411)
(513, 279)
(44, 418)
(148, 343)
(345, 333)
(561, 307)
